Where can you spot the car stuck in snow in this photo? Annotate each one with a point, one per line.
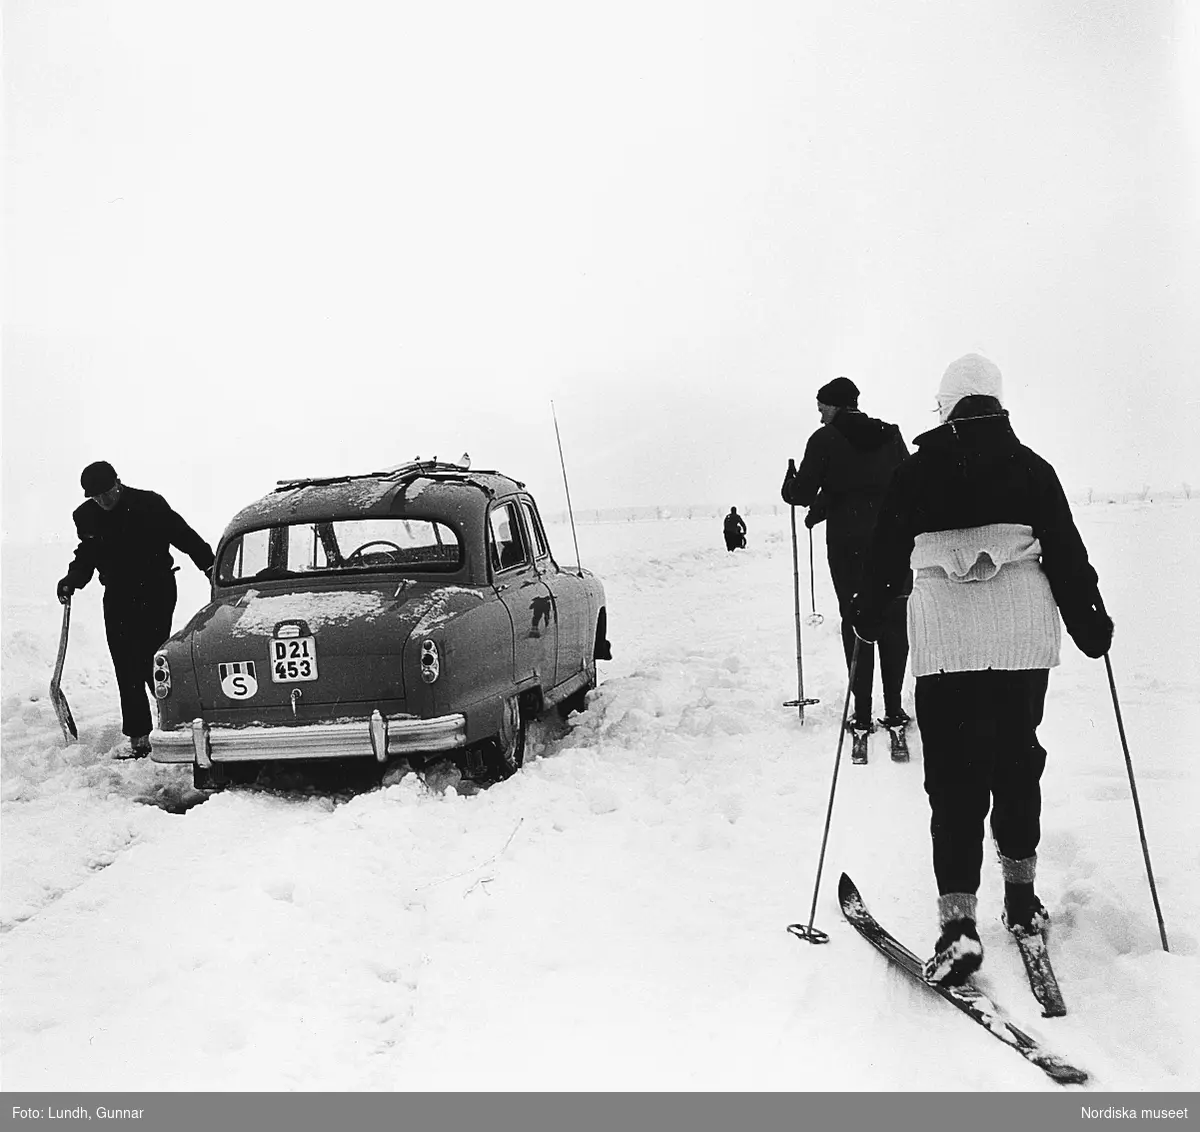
(403, 614)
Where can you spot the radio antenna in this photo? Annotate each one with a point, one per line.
(567, 488)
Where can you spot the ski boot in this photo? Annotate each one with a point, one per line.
(859, 736)
(1024, 914)
(896, 726)
(957, 955)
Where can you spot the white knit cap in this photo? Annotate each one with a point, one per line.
(971, 375)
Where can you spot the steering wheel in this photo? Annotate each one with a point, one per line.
(374, 542)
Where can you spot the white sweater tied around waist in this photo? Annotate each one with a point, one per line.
(981, 600)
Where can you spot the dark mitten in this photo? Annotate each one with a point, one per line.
(64, 590)
(788, 480)
(1090, 627)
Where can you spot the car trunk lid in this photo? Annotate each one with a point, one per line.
(273, 654)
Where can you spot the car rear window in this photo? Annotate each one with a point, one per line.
(340, 546)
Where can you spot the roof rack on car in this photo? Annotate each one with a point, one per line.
(413, 469)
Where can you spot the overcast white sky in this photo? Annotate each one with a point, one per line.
(260, 238)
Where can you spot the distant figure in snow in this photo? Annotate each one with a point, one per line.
(847, 465)
(126, 534)
(735, 530)
(985, 525)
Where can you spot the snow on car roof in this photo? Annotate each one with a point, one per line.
(438, 486)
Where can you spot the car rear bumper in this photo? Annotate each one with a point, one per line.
(377, 737)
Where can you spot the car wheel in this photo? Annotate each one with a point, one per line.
(576, 701)
(504, 755)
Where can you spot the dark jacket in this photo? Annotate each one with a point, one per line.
(130, 545)
(846, 469)
(972, 472)
(734, 524)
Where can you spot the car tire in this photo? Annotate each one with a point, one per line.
(576, 701)
(504, 754)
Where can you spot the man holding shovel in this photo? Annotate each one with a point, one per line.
(847, 466)
(126, 535)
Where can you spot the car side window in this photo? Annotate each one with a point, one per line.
(506, 539)
(245, 556)
(541, 548)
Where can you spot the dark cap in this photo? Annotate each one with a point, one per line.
(98, 478)
(841, 392)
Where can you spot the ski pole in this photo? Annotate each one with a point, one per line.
(799, 701)
(808, 932)
(1137, 809)
(814, 618)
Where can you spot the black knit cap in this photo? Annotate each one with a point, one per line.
(98, 478)
(841, 392)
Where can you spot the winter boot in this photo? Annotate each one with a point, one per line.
(858, 749)
(1024, 914)
(958, 953)
(894, 723)
(139, 748)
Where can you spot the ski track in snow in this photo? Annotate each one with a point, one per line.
(614, 916)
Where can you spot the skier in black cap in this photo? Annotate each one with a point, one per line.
(846, 468)
(126, 534)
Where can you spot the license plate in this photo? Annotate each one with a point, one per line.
(293, 659)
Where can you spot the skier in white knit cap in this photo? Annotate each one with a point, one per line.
(984, 525)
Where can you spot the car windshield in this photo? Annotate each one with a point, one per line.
(340, 546)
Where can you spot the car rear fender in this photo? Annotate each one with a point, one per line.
(474, 649)
(183, 702)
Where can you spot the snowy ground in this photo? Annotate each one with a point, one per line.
(612, 918)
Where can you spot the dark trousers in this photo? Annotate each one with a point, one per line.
(734, 540)
(137, 619)
(979, 738)
(847, 562)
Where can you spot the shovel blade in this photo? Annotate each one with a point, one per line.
(63, 710)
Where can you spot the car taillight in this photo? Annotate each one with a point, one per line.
(162, 676)
(431, 666)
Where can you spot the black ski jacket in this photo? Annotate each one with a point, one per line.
(969, 473)
(846, 469)
(131, 544)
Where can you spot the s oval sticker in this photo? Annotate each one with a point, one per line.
(238, 680)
